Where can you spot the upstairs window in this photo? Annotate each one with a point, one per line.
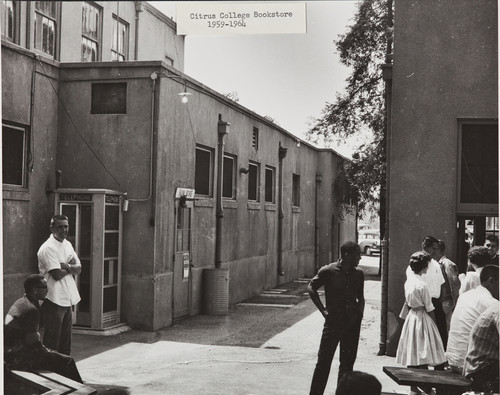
(10, 19)
(228, 177)
(270, 182)
(91, 32)
(119, 45)
(295, 190)
(253, 181)
(45, 26)
(203, 171)
(14, 155)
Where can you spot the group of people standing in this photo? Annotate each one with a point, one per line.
(451, 319)
(46, 307)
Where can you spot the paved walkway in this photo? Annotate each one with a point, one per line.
(266, 345)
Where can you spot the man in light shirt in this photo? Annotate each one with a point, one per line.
(434, 279)
(470, 306)
(58, 262)
(478, 258)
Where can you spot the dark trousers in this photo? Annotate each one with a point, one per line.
(440, 316)
(343, 329)
(57, 323)
(36, 356)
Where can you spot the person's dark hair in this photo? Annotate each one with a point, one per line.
(32, 281)
(428, 241)
(348, 247)
(492, 238)
(419, 261)
(58, 217)
(479, 256)
(489, 271)
(442, 246)
(358, 383)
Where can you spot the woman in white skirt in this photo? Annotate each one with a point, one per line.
(420, 344)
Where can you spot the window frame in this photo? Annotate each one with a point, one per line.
(85, 36)
(255, 165)
(25, 157)
(55, 19)
(295, 190)
(115, 54)
(488, 209)
(272, 169)
(211, 151)
(233, 158)
(15, 22)
(255, 139)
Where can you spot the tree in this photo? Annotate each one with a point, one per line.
(359, 110)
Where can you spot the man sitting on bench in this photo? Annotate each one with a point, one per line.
(22, 347)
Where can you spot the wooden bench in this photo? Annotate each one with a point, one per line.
(42, 382)
(444, 380)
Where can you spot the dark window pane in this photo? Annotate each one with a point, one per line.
(253, 178)
(85, 230)
(296, 190)
(269, 193)
(109, 98)
(13, 147)
(479, 173)
(110, 245)
(227, 178)
(84, 287)
(110, 299)
(69, 210)
(202, 172)
(112, 217)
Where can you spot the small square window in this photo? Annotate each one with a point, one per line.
(109, 98)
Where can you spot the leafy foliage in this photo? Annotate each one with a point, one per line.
(359, 110)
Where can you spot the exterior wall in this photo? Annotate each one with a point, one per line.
(27, 211)
(445, 68)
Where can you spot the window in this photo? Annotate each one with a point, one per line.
(228, 177)
(255, 139)
(269, 185)
(119, 45)
(14, 155)
(253, 181)
(91, 32)
(10, 19)
(295, 190)
(203, 171)
(45, 26)
(478, 167)
(109, 98)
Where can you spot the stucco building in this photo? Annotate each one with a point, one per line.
(443, 166)
(158, 191)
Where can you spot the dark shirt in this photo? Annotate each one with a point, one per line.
(343, 289)
(494, 260)
(26, 319)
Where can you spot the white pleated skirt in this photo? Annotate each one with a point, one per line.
(420, 342)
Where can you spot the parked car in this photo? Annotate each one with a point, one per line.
(369, 241)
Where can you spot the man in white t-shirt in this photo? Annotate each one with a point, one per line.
(434, 279)
(58, 262)
(470, 306)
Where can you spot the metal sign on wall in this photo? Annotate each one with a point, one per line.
(189, 193)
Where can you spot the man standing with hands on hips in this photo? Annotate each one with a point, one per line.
(58, 262)
(345, 304)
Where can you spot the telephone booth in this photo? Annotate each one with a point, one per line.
(95, 230)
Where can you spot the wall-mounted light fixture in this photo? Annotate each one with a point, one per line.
(185, 94)
(244, 170)
(298, 143)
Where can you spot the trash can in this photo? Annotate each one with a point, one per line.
(216, 291)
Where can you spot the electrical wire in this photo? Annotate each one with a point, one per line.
(76, 128)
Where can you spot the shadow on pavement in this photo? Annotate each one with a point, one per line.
(104, 389)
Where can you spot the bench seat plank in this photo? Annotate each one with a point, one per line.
(42, 383)
(78, 388)
(438, 378)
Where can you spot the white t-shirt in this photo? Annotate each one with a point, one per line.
(50, 256)
(470, 306)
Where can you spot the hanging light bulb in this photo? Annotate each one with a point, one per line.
(184, 95)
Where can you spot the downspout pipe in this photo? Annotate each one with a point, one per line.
(319, 178)
(138, 10)
(282, 151)
(222, 130)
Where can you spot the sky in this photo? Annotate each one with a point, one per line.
(289, 77)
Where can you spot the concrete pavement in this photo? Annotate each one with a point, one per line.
(267, 346)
